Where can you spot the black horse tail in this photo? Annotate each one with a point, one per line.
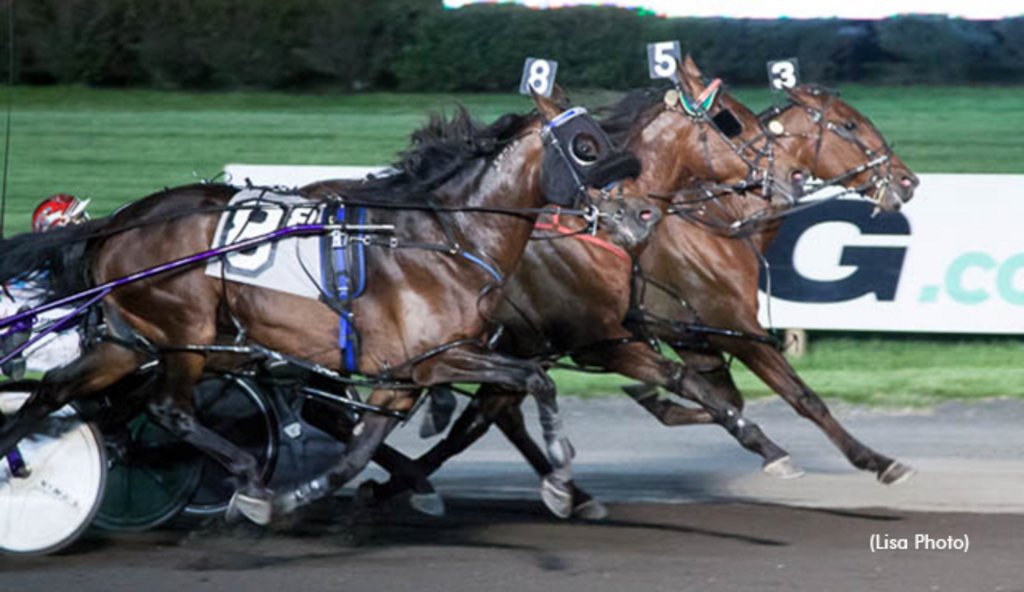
(52, 264)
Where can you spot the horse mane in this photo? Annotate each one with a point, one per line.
(439, 151)
(632, 112)
(813, 88)
(819, 89)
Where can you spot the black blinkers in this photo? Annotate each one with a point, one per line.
(577, 155)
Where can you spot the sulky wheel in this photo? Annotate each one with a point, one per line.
(152, 477)
(51, 484)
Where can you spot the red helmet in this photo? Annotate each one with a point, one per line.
(59, 210)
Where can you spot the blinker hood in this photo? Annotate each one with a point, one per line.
(578, 154)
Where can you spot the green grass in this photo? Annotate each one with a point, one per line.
(116, 146)
(893, 373)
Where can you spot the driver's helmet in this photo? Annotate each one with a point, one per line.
(59, 210)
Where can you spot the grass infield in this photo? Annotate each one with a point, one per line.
(116, 146)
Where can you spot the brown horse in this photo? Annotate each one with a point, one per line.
(696, 257)
(463, 205)
(716, 274)
(553, 307)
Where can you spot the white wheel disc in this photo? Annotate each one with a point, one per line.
(51, 507)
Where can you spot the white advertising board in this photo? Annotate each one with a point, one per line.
(951, 261)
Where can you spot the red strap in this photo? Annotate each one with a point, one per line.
(589, 238)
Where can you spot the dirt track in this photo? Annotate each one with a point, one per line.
(493, 545)
(717, 524)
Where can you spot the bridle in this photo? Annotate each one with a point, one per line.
(591, 213)
(760, 164)
(878, 161)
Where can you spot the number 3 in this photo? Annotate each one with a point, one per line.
(783, 74)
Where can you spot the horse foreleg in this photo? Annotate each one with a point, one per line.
(510, 422)
(773, 368)
(475, 364)
(638, 361)
(339, 423)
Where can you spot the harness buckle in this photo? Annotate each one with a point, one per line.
(339, 239)
(591, 215)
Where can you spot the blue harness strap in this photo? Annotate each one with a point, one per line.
(341, 287)
(483, 264)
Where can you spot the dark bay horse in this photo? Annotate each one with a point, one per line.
(553, 307)
(697, 256)
(427, 311)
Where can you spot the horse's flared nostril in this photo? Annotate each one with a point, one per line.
(908, 182)
(647, 215)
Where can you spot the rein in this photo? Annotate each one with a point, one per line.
(557, 226)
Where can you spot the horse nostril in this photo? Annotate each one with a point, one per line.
(647, 215)
(906, 182)
(798, 176)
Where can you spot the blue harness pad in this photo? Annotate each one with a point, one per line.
(344, 275)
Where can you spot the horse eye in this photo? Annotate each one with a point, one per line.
(585, 148)
(850, 125)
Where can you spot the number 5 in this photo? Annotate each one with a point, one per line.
(663, 59)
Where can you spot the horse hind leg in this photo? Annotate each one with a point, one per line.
(172, 408)
(95, 370)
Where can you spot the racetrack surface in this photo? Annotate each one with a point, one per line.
(690, 512)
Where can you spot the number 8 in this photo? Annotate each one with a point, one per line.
(538, 76)
(540, 72)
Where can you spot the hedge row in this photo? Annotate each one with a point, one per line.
(417, 45)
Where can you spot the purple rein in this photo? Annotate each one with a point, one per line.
(24, 321)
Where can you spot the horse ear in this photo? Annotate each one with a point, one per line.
(560, 97)
(689, 68)
(690, 76)
(548, 107)
(801, 94)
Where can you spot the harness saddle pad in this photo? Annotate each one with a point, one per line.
(292, 265)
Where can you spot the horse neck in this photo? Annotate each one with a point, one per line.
(510, 180)
(675, 157)
(672, 156)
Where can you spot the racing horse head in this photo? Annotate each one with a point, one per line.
(688, 143)
(841, 146)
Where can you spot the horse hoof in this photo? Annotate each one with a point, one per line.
(258, 510)
(784, 468)
(557, 497)
(896, 473)
(431, 504)
(592, 509)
